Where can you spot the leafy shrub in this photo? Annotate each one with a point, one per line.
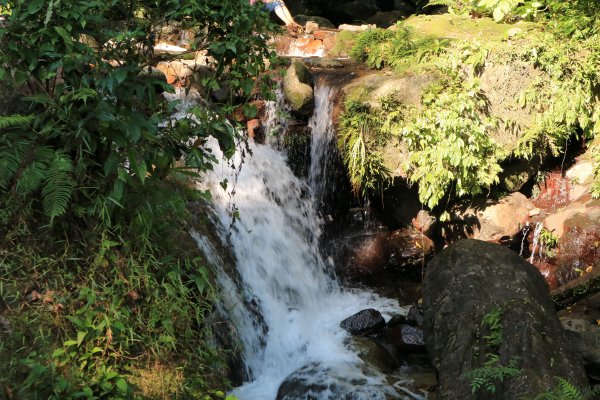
(93, 195)
(358, 137)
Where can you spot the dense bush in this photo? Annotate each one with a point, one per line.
(449, 136)
(99, 282)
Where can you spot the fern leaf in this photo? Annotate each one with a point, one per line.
(17, 120)
(58, 187)
(11, 159)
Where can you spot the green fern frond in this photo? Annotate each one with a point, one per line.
(447, 3)
(85, 94)
(11, 159)
(58, 188)
(17, 120)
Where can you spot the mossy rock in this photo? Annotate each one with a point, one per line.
(344, 41)
(298, 89)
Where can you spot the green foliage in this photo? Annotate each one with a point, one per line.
(448, 141)
(565, 93)
(548, 241)
(102, 117)
(94, 193)
(577, 18)
(397, 49)
(98, 316)
(358, 137)
(493, 320)
(565, 390)
(492, 372)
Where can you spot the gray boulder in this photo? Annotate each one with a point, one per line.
(466, 282)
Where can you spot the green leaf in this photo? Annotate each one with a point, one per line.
(122, 385)
(64, 34)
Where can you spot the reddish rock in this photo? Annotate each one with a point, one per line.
(322, 35)
(553, 192)
(556, 222)
(310, 46)
(255, 131)
(548, 272)
(579, 247)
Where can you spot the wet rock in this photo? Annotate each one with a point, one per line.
(548, 271)
(491, 221)
(405, 338)
(256, 130)
(407, 247)
(315, 381)
(380, 354)
(587, 337)
(297, 88)
(415, 315)
(400, 248)
(385, 19)
(365, 322)
(466, 282)
(579, 246)
(585, 205)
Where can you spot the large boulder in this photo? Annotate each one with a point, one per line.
(472, 279)
(298, 88)
(393, 250)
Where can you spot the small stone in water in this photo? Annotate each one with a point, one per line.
(365, 322)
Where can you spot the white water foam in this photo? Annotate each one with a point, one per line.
(275, 242)
(322, 141)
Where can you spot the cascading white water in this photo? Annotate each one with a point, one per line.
(536, 239)
(276, 118)
(275, 242)
(322, 138)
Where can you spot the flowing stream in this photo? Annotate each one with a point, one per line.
(290, 305)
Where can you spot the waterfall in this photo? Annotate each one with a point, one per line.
(275, 241)
(285, 301)
(536, 238)
(322, 138)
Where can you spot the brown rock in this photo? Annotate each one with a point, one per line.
(322, 35)
(423, 222)
(492, 221)
(255, 131)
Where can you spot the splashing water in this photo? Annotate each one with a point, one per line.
(275, 242)
(322, 138)
(536, 239)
